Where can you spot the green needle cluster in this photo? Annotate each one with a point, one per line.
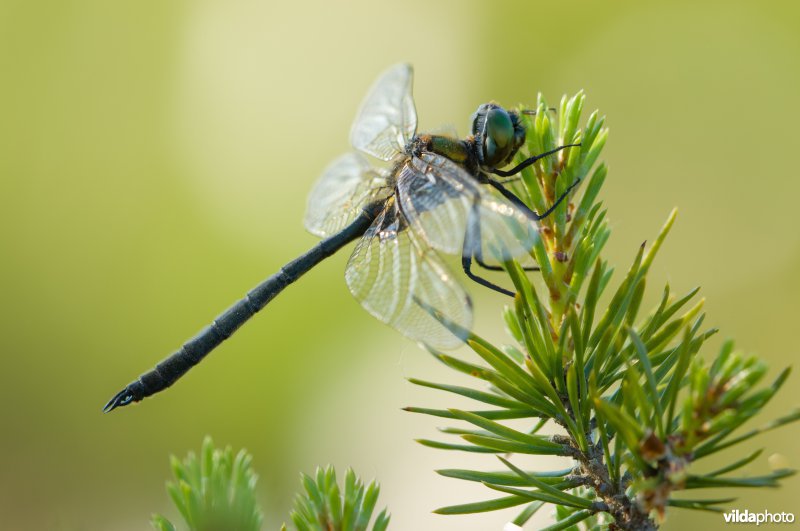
(632, 401)
(217, 492)
(323, 506)
(213, 491)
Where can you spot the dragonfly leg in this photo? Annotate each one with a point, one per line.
(530, 160)
(472, 246)
(522, 206)
(480, 261)
(510, 179)
(466, 263)
(532, 112)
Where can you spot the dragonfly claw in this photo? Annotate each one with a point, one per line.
(123, 398)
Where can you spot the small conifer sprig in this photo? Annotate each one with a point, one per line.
(636, 406)
(213, 491)
(323, 506)
(216, 491)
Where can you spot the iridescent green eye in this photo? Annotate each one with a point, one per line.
(498, 136)
(499, 128)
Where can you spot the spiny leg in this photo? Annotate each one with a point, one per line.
(522, 206)
(478, 252)
(532, 112)
(486, 266)
(480, 261)
(530, 160)
(466, 264)
(472, 241)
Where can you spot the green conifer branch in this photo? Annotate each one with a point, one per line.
(212, 491)
(636, 405)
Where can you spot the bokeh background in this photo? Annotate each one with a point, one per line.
(154, 163)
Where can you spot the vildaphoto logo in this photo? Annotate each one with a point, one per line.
(764, 517)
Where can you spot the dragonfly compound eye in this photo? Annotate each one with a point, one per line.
(498, 137)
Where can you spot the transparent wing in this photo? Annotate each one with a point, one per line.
(387, 119)
(391, 273)
(445, 206)
(444, 130)
(347, 185)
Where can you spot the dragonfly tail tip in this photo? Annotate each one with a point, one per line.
(123, 398)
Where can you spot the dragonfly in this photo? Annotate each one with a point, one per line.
(424, 195)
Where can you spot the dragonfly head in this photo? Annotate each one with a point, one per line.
(498, 134)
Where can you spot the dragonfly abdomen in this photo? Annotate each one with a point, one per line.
(194, 350)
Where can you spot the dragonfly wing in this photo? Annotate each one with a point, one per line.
(387, 119)
(436, 200)
(394, 276)
(347, 185)
(445, 205)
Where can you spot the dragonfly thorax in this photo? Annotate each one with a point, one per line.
(497, 135)
(459, 151)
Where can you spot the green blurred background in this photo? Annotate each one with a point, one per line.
(154, 162)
